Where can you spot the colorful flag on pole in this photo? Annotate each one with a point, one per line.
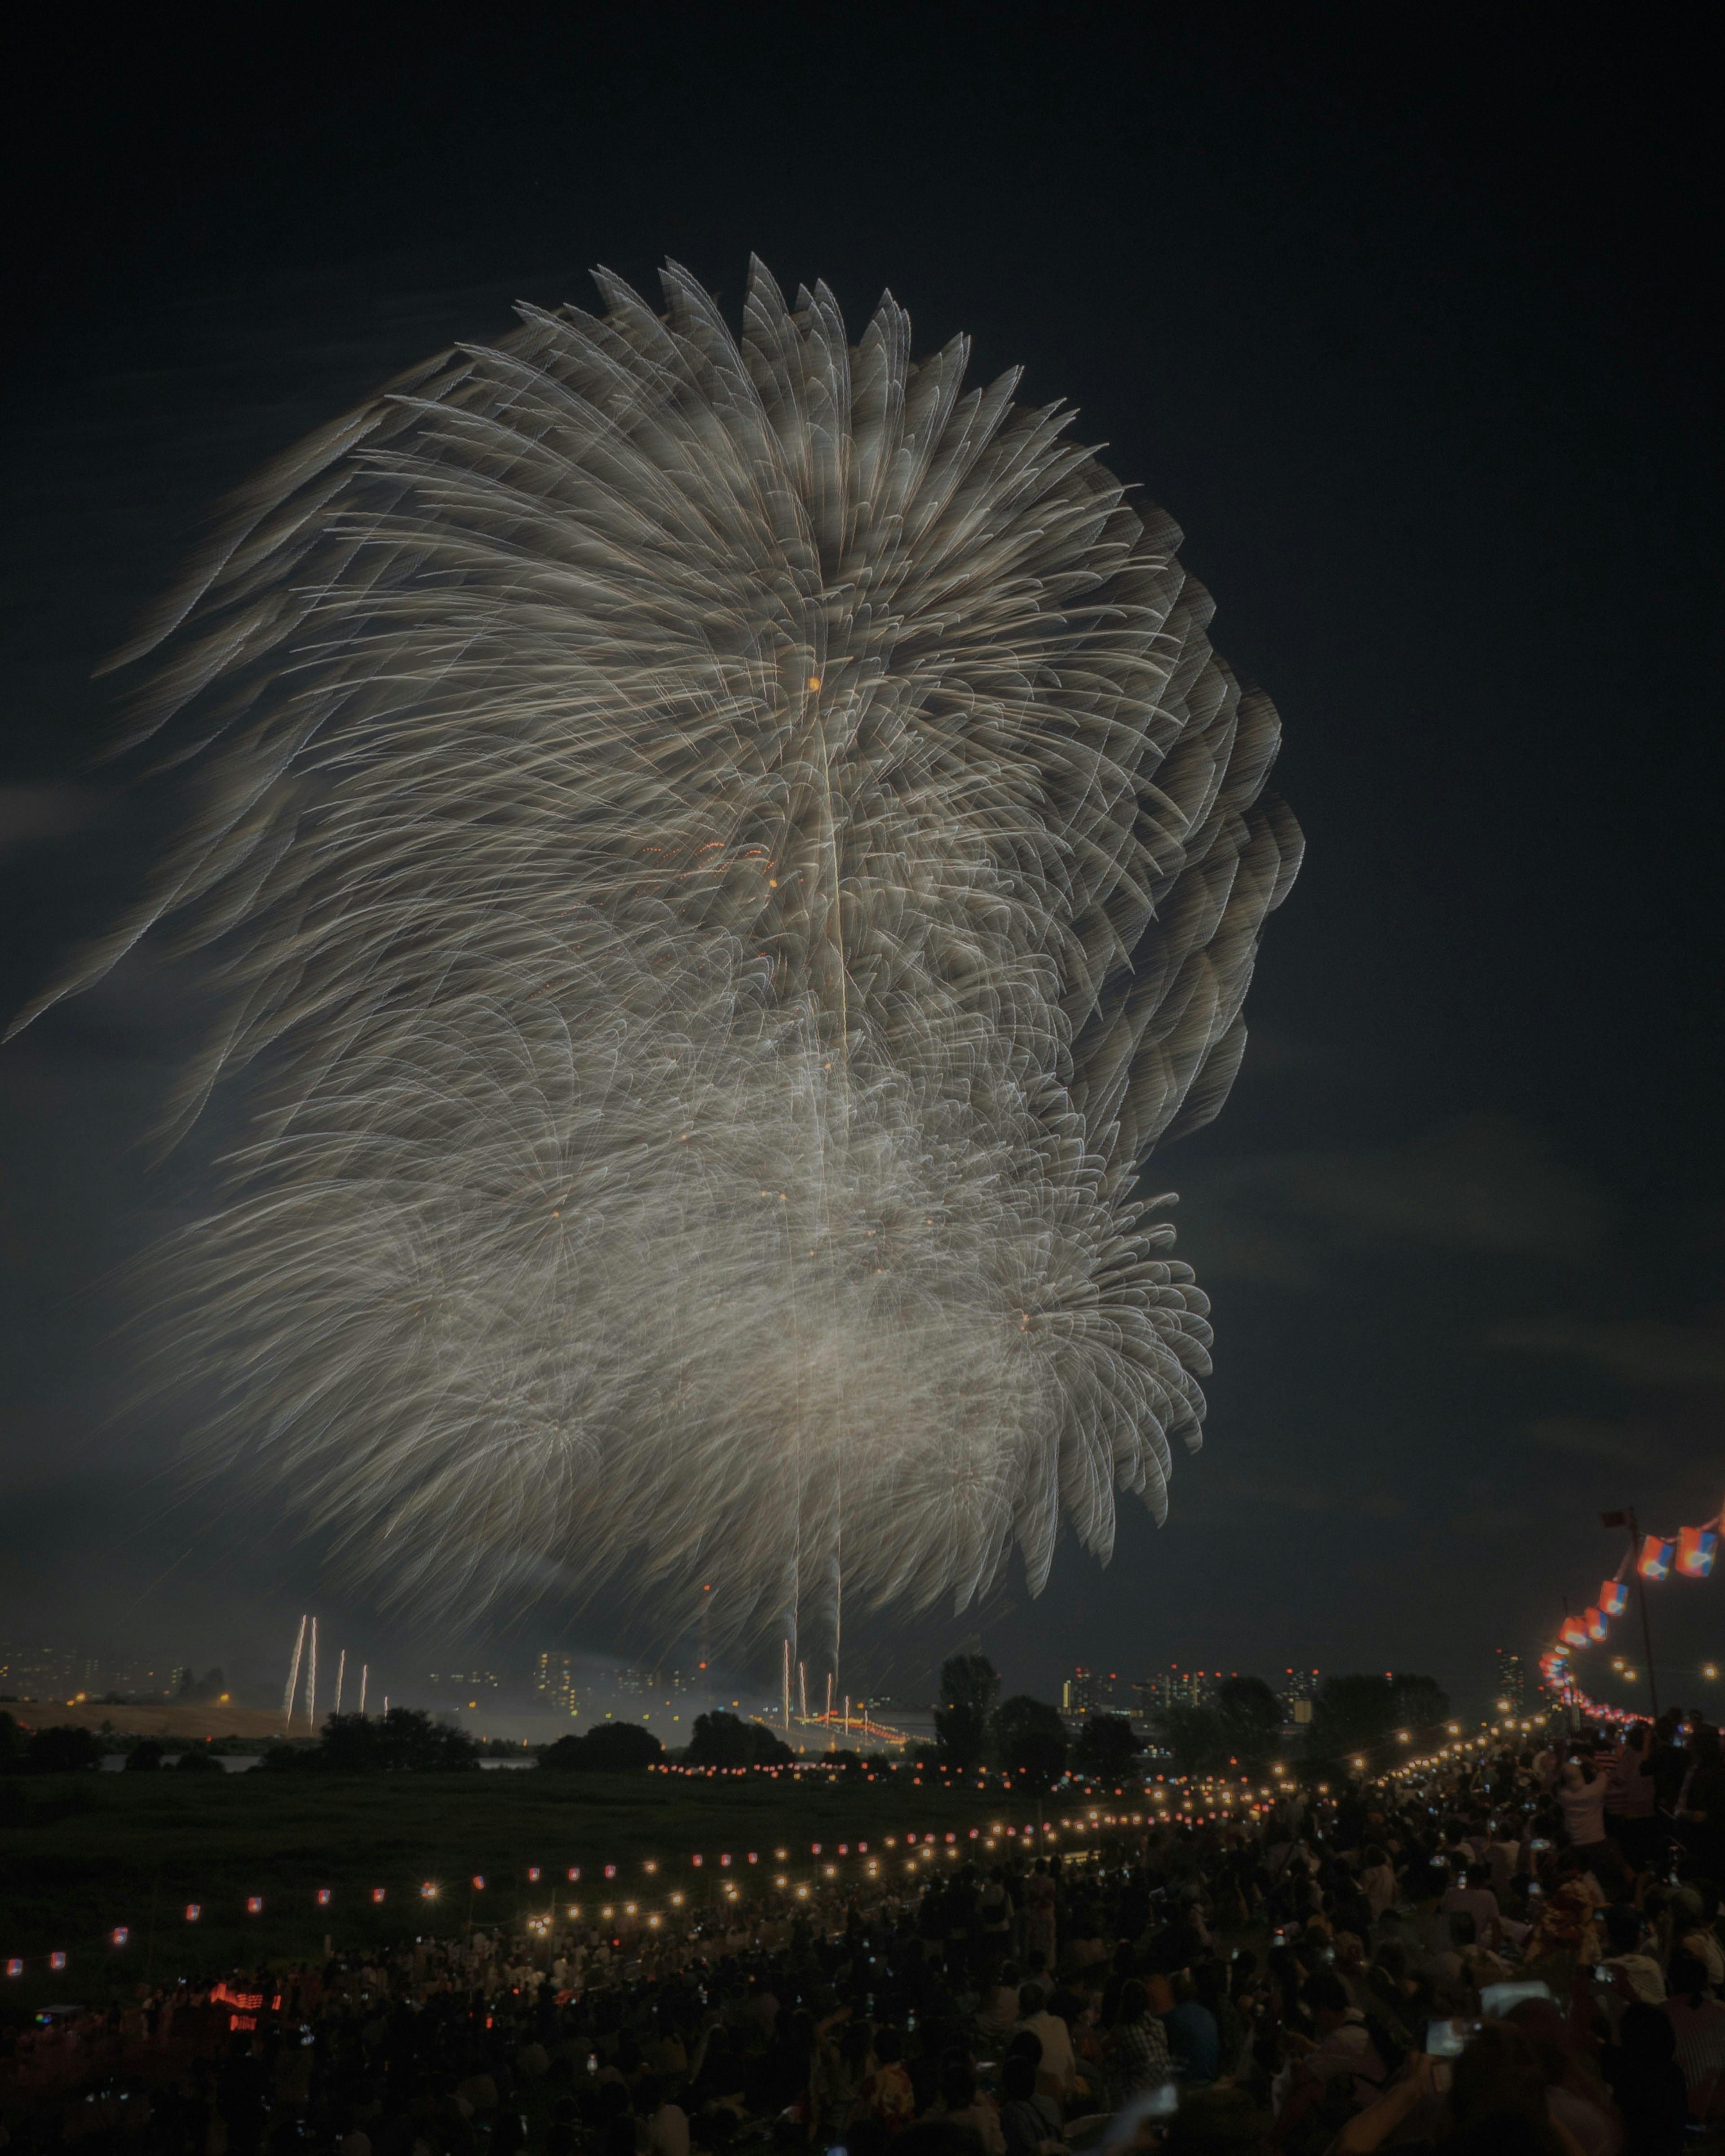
(1614, 1598)
(1656, 1553)
(1696, 1548)
(1596, 1625)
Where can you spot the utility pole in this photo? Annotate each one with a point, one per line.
(1626, 1518)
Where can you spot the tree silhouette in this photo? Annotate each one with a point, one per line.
(1030, 1739)
(969, 1687)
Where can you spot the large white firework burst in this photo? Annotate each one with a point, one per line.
(726, 855)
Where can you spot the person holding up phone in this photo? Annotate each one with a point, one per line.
(1496, 2096)
(1581, 1798)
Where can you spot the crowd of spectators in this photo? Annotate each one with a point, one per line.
(1513, 1949)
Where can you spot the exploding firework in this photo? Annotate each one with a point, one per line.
(724, 855)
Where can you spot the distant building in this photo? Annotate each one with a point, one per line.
(1510, 1682)
(74, 1673)
(1090, 1691)
(1175, 1686)
(554, 1681)
(140, 1677)
(1296, 1691)
(475, 1684)
(48, 1672)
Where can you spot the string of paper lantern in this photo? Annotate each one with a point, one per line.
(926, 1842)
(1690, 1553)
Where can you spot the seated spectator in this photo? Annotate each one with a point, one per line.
(1339, 2069)
(1575, 2097)
(1000, 2007)
(1024, 2125)
(1139, 2048)
(837, 2070)
(1056, 2071)
(1473, 1894)
(1192, 2037)
(1625, 1938)
(960, 2104)
(1498, 2105)
(1642, 2067)
(886, 2094)
(667, 2124)
(1377, 1880)
(1209, 1982)
(1505, 1856)
(1223, 2121)
(1395, 1995)
(1078, 2012)
(1697, 2020)
(1695, 1912)
(1562, 1932)
(1452, 1981)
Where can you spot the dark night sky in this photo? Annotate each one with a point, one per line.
(1409, 318)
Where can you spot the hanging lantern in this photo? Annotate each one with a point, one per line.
(254, 1905)
(377, 1893)
(1614, 1598)
(1574, 1632)
(120, 1935)
(1656, 1554)
(1696, 1548)
(56, 1961)
(323, 1898)
(14, 1966)
(1595, 1623)
(194, 1910)
(533, 1873)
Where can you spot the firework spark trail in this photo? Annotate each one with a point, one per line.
(293, 1682)
(725, 854)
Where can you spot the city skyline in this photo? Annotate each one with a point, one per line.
(579, 1687)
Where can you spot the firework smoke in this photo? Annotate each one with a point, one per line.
(724, 855)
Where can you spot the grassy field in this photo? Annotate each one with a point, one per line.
(94, 1851)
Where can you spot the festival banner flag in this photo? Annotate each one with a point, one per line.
(1614, 1598)
(1696, 1548)
(1656, 1553)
